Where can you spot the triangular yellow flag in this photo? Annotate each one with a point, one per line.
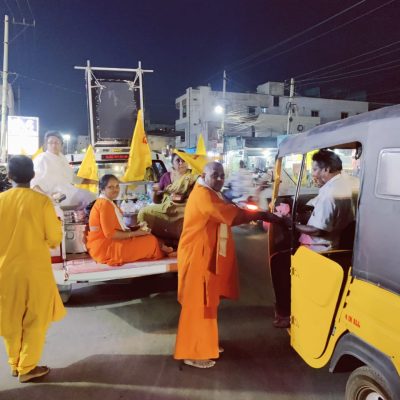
(196, 161)
(139, 154)
(89, 170)
(201, 147)
(37, 152)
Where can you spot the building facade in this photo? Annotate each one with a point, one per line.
(261, 114)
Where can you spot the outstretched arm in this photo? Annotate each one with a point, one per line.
(245, 216)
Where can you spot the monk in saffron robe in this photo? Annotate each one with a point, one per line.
(29, 299)
(207, 266)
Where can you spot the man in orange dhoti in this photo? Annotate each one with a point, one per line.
(207, 266)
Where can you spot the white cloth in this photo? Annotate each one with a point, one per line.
(334, 209)
(54, 174)
(223, 232)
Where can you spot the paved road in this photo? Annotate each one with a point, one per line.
(117, 340)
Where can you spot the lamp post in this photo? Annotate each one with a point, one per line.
(67, 138)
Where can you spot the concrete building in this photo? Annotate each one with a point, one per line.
(260, 114)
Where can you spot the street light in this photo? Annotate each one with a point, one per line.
(219, 109)
(67, 138)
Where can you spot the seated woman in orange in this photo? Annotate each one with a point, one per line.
(109, 240)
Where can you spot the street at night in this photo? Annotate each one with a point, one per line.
(117, 342)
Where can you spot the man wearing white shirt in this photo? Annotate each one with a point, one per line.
(54, 175)
(333, 212)
(333, 207)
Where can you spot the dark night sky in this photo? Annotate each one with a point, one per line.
(189, 43)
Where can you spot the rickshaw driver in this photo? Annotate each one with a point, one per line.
(333, 207)
(333, 212)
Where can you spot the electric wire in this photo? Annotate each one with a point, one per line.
(344, 74)
(19, 33)
(19, 8)
(53, 85)
(350, 59)
(30, 10)
(232, 66)
(9, 8)
(350, 76)
(316, 37)
(261, 52)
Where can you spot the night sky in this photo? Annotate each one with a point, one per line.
(190, 42)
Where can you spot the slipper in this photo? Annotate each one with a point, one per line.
(36, 372)
(200, 363)
(14, 372)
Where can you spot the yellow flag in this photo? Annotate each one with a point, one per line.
(37, 152)
(139, 154)
(197, 162)
(88, 170)
(201, 147)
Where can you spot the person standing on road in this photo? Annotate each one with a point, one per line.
(207, 266)
(29, 299)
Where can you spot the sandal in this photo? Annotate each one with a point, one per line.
(200, 363)
(36, 372)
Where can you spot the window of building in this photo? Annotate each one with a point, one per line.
(263, 110)
(276, 101)
(184, 108)
(344, 115)
(387, 183)
(314, 113)
(251, 110)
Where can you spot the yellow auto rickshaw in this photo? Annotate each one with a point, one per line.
(345, 303)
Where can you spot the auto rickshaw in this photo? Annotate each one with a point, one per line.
(345, 303)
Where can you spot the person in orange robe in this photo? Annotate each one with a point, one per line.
(207, 266)
(109, 240)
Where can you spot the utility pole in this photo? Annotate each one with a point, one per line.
(224, 104)
(222, 129)
(290, 107)
(3, 126)
(3, 139)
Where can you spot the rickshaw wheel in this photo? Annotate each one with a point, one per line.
(365, 383)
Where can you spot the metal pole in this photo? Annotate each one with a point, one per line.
(3, 139)
(290, 108)
(90, 102)
(139, 73)
(223, 112)
(223, 102)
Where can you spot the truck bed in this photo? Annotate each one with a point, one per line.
(85, 269)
